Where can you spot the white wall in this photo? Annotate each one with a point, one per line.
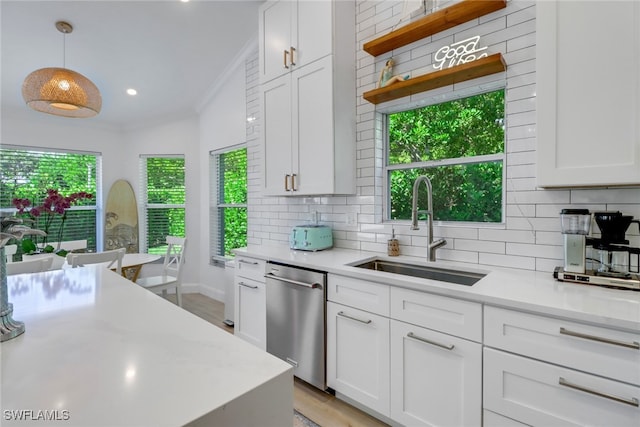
(222, 123)
(530, 237)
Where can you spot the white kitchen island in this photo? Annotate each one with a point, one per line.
(100, 351)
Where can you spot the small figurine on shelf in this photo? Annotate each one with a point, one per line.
(386, 75)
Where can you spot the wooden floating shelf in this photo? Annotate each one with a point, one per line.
(480, 67)
(440, 20)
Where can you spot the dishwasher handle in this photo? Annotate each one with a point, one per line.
(291, 281)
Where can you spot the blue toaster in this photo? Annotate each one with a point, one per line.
(311, 237)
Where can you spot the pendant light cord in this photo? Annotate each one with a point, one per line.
(64, 50)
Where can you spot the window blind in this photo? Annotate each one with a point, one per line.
(228, 208)
(28, 172)
(163, 200)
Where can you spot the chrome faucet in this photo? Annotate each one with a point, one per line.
(432, 246)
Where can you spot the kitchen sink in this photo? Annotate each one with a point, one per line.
(425, 272)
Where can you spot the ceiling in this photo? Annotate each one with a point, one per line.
(172, 53)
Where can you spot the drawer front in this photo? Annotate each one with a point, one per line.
(368, 296)
(491, 419)
(250, 268)
(607, 352)
(541, 394)
(448, 315)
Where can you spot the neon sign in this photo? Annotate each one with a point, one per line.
(459, 53)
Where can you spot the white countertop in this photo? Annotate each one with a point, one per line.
(536, 292)
(112, 353)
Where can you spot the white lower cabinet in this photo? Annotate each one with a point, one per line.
(491, 419)
(251, 311)
(358, 356)
(436, 379)
(542, 394)
(542, 371)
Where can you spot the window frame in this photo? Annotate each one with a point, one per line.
(384, 113)
(216, 244)
(97, 196)
(144, 205)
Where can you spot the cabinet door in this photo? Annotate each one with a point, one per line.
(313, 31)
(358, 356)
(276, 134)
(588, 93)
(251, 312)
(313, 153)
(542, 394)
(436, 379)
(275, 35)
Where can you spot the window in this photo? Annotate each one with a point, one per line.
(163, 198)
(27, 173)
(459, 145)
(228, 213)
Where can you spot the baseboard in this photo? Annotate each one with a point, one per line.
(196, 288)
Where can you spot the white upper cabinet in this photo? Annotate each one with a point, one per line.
(588, 93)
(308, 104)
(293, 34)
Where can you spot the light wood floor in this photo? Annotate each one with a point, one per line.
(323, 408)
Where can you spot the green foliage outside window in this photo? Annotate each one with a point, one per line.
(166, 197)
(232, 201)
(28, 173)
(459, 145)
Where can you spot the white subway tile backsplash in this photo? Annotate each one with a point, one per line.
(526, 263)
(535, 250)
(521, 236)
(549, 238)
(478, 246)
(544, 264)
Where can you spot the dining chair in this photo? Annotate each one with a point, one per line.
(30, 266)
(9, 252)
(110, 257)
(171, 270)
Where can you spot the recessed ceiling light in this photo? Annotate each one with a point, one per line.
(184, 1)
(132, 92)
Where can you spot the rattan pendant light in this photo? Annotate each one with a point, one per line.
(61, 91)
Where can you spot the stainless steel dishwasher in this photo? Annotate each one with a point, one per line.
(296, 301)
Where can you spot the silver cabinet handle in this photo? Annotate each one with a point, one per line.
(437, 344)
(293, 182)
(285, 59)
(291, 281)
(366, 322)
(247, 286)
(293, 61)
(631, 401)
(634, 345)
(243, 261)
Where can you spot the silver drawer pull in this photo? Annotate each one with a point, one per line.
(247, 286)
(437, 344)
(366, 322)
(635, 345)
(242, 261)
(632, 401)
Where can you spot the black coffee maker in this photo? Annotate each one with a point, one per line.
(612, 253)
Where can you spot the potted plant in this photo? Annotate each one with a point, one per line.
(54, 206)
